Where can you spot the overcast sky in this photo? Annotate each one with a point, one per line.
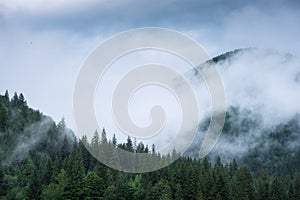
(43, 43)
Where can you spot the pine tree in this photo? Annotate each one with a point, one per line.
(124, 191)
(22, 102)
(75, 172)
(3, 187)
(86, 156)
(95, 140)
(161, 191)
(93, 186)
(177, 193)
(56, 190)
(15, 101)
(277, 190)
(153, 151)
(4, 118)
(263, 190)
(103, 137)
(137, 188)
(6, 95)
(114, 159)
(233, 167)
(61, 126)
(221, 187)
(207, 179)
(114, 140)
(129, 145)
(65, 148)
(297, 188)
(111, 193)
(27, 178)
(47, 174)
(243, 185)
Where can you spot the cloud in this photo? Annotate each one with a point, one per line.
(29, 139)
(43, 43)
(38, 6)
(82, 16)
(254, 27)
(261, 85)
(266, 83)
(43, 66)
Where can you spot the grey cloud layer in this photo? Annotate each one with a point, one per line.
(84, 15)
(42, 45)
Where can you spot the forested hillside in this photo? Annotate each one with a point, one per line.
(42, 160)
(262, 129)
(276, 150)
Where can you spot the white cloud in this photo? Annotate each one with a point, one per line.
(40, 6)
(43, 66)
(42, 62)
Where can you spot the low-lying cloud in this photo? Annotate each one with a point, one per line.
(262, 94)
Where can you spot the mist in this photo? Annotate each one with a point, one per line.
(262, 95)
(35, 136)
(50, 44)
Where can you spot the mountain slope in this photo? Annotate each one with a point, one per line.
(262, 127)
(25, 131)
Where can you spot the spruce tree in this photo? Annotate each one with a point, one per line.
(277, 190)
(243, 185)
(93, 186)
(75, 172)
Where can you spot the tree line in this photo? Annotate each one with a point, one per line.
(61, 167)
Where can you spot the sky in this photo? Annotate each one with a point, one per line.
(43, 43)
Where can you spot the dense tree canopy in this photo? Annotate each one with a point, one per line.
(57, 166)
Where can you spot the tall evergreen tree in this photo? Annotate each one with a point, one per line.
(161, 191)
(263, 188)
(114, 140)
(243, 185)
(65, 148)
(75, 172)
(3, 187)
(277, 190)
(297, 188)
(104, 137)
(93, 187)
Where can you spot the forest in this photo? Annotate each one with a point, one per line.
(41, 159)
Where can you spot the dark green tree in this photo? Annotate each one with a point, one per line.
(263, 188)
(243, 185)
(277, 190)
(114, 140)
(297, 188)
(3, 186)
(111, 193)
(75, 172)
(93, 186)
(161, 191)
(65, 148)
(129, 145)
(104, 137)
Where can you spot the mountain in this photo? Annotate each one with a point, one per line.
(25, 131)
(257, 156)
(42, 160)
(262, 126)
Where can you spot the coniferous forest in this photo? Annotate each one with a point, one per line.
(43, 160)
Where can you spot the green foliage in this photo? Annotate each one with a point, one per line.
(161, 191)
(243, 185)
(75, 172)
(93, 186)
(56, 190)
(54, 168)
(278, 191)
